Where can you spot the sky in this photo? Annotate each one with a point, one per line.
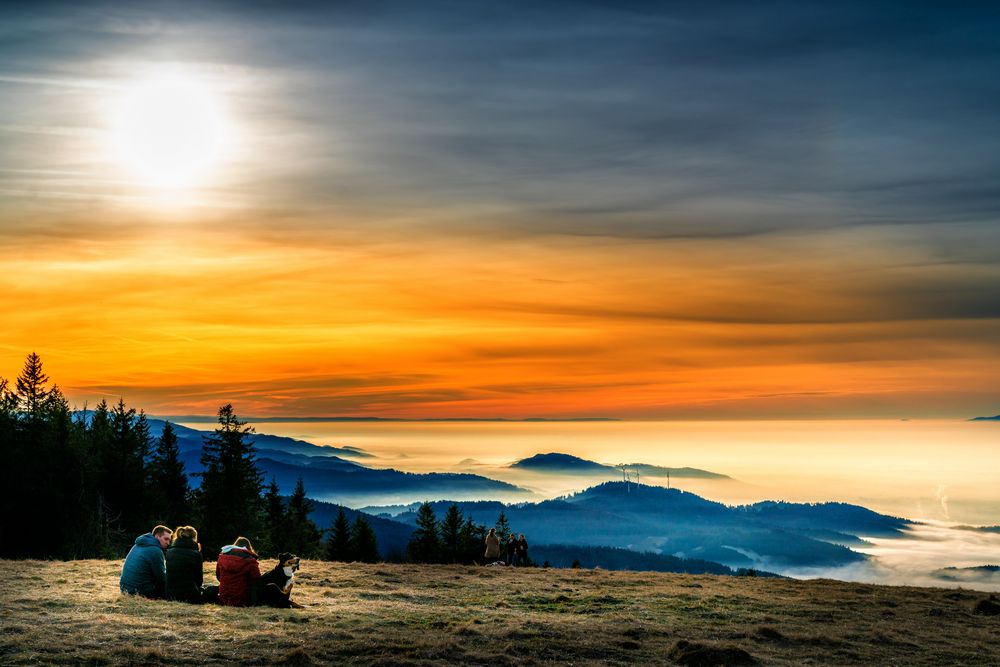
(464, 209)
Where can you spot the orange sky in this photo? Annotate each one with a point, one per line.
(179, 316)
(698, 215)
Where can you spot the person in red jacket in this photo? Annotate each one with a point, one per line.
(237, 570)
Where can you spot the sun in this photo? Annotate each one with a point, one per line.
(170, 130)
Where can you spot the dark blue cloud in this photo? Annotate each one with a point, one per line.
(635, 119)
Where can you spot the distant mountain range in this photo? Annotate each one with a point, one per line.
(211, 419)
(670, 523)
(995, 418)
(567, 464)
(979, 574)
(328, 476)
(769, 535)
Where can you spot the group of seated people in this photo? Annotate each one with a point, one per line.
(167, 564)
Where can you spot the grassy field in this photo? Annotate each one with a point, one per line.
(72, 613)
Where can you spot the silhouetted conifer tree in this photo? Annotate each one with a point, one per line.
(30, 384)
(451, 535)
(304, 536)
(229, 498)
(40, 485)
(122, 480)
(338, 544)
(168, 484)
(424, 545)
(473, 540)
(275, 515)
(503, 532)
(363, 545)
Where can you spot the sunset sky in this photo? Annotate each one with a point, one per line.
(460, 209)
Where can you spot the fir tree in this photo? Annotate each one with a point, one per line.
(473, 540)
(98, 442)
(276, 528)
(304, 536)
(30, 386)
(338, 545)
(168, 483)
(39, 484)
(451, 535)
(363, 545)
(121, 459)
(229, 498)
(503, 532)
(424, 546)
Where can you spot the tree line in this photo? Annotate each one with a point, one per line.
(84, 484)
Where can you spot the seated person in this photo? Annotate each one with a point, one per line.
(144, 570)
(237, 569)
(184, 567)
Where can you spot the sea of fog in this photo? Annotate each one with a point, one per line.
(942, 473)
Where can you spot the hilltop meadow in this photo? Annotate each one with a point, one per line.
(379, 614)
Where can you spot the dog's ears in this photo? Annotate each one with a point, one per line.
(284, 557)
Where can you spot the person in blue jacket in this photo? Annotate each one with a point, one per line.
(144, 571)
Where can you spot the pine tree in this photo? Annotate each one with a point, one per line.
(304, 535)
(363, 544)
(30, 387)
(338, 545)
(120, 444)
(168, 484)
(108, 531)
(229, 497)
(40, 483)
(451, 535)
(473, 540)
(275, 526)
(503, 532)
(424, 546)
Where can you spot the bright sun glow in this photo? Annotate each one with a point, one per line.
(171, 130)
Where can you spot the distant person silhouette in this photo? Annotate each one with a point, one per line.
(511, 550)
(144, 571)
(492, 546)
(522, 551)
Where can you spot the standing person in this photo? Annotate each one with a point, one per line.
(144, 570)
(511, 550)
(184, 566)
(492, 546)
(237, 569)
(522, 550)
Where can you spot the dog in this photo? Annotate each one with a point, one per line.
(274, 589)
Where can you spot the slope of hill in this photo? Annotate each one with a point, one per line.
(770, 536)
(72, 613)
(329, 477)
(567, 464)
(392, 536)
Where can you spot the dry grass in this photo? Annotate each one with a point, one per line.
(72, 613)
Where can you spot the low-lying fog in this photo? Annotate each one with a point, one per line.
(943, 473)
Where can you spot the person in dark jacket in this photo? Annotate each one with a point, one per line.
(144, 571)
(237, 569)
(522, 550)
(511, 549)
(184, 566)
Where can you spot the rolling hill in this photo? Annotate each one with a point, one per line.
(330, 477)
(771, 536)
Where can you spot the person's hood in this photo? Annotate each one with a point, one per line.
(147, 540)
(233, 550)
